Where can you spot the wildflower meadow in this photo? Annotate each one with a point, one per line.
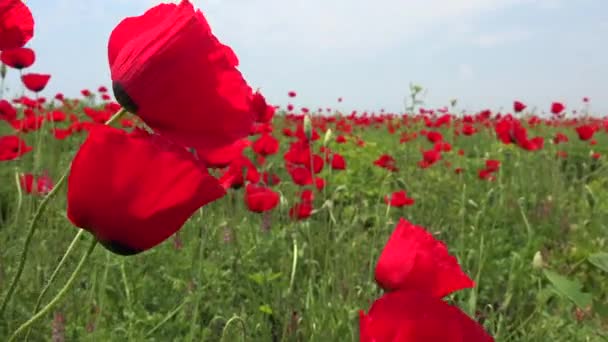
(174, 203)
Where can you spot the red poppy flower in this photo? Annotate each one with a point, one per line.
(301, 211)
(413, 259)
(518, 106)
(270, 179)
(60, 133)
(7, 111)
(44, 184)
(416, 316)
(19, 58)
(240, 169)
(431, 156)
(263, 112)
(434, 137)
(291, 94)
(12, 147)
(222, 157)
(300, 175)
(260, 199)
(585, 132)
(319, 184)
(266, 145)
(560, 138)
(35, 82)
(16, 24)
(338, 162)
(102, 89)
(86, 92)
(168, 61)
(340, 139)
(398, 199)
(386, 161)
(557, 108)
(492, 165)
(133, 191)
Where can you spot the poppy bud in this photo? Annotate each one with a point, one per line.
(327, 138)
(538, 262)
(308, 127)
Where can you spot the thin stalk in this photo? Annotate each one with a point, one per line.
(59, 295)
(32, 226)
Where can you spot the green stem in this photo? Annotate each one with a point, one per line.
(32, 226)
(59, 295)
(54, 275)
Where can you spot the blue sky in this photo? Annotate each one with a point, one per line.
(485, 53)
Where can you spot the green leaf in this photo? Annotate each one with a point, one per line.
(266, 309)
(569, 288)
(599, 260)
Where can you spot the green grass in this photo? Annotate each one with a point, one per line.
(231, 279)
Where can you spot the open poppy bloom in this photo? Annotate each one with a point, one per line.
(133, 191)
(260, 199)
(12, 147)
(40, 185)
(19, 58)
(398, 199)
(169, 69)
(408, 315)
(414, 259)
(16, 24)
(35, 82)
(7, 111)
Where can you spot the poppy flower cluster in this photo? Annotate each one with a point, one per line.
(417, 271)
(134, 190)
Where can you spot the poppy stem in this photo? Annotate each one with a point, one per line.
(55, 272)
(32, 226)
(59, 295)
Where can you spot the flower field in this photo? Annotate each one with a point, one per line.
(175, 204)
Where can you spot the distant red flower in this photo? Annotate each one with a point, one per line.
(150, 188)
(431, 156)
(413, 259)
(7, 111)
(585, 99)
(263, 112)
(398, 199)
(416, 316)
(338, 162)
(557, 108)
(596, 155)
(86, 92)
(492, 165)
(434, 136)
(35, 82)
(468, 129)
(12, 147)
(16, 24)
(169, 69)
(290, 107)
(291, 94)
(19, 58)
(300, 175)
(260, 199)
(518, 106)
(585, 132)
(319, 183)
(240, 169)
(301, 211)
(270, 179)
(102, 89)
(340, 139)
(266, 145)
(560, 138)
(43, 184)
(386, 161)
